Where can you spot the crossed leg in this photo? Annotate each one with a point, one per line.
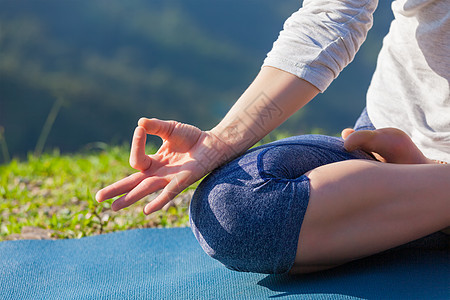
(358, 208)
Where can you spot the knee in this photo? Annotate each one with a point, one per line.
(246, 222)
(224, 224)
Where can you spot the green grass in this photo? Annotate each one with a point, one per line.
(56, 192)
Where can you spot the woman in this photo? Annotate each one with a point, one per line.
(305, 203)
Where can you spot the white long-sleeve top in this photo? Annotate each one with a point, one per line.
(410, 87)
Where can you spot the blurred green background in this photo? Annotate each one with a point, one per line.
(95, 67)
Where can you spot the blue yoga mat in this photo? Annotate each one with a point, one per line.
(169, 264)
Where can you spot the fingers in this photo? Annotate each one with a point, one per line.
(346, 132)
(161, 128)
(120, 187)
(138, 159)
(144, 188)
(175, 186)
(138, 185)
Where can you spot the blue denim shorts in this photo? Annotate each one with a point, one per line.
(248, 213)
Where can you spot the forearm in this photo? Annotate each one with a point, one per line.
(271, 99)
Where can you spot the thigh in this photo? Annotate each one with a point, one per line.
(248, 213)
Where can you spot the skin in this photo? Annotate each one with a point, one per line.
(408, 194)
(386, 144)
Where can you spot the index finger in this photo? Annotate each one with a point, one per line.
(161, 128)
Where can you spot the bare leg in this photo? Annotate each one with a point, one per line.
(358, 208)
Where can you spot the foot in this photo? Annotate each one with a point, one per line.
(389, 145)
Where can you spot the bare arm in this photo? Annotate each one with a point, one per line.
(269, 101)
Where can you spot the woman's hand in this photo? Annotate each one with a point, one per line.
(185, 156)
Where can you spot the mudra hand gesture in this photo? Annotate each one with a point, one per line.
(183, 158)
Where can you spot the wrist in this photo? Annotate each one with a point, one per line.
(212, 152)
(235, 137)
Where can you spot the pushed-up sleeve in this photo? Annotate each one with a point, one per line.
(321, 38)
